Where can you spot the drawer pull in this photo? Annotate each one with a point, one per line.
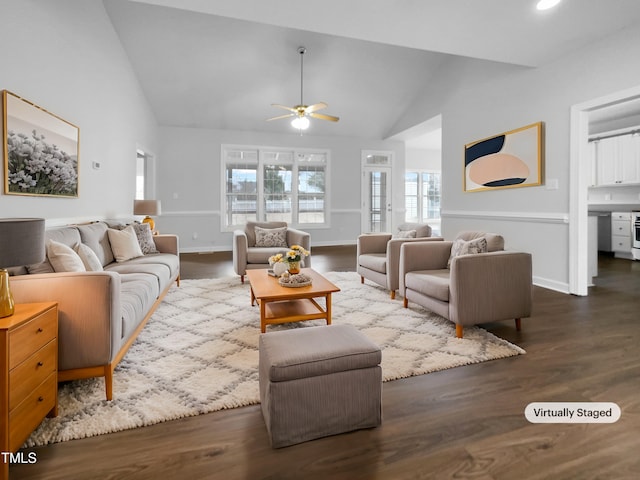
(39, 330)
(41, 399)
(40, 364)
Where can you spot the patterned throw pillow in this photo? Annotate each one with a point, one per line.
(271, 237)
(145, 238)
(405, 234)
(461, 247)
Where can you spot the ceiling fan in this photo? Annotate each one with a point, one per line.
(302, 112)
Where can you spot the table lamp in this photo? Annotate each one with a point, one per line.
(21, 243)
(147, 207)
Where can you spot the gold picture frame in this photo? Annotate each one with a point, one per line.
(40, 150)
(510, 160)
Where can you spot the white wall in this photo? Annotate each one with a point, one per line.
(189, 183)
(480, 99)
(65, 57)
(423, 159)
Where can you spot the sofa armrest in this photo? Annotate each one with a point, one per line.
(491, 286)
(372, 243)
(167, 243)
(89, 312)
(240, 245)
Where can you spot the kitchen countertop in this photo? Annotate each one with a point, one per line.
(613, 207)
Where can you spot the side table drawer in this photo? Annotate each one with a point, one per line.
(29, 413)
(31, 373)
(32, 336)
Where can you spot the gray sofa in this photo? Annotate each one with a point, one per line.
(469, 289)
(100, 312)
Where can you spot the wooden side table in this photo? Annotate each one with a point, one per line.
(28, 373)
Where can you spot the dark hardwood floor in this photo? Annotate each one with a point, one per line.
(467, 422)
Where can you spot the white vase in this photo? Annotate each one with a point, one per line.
(279, 268)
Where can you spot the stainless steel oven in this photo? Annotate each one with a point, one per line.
(635, 235)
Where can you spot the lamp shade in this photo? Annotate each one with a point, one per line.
(146, 207)
(21, 241)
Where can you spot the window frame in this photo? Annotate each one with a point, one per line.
(265, 158)
(421, 195)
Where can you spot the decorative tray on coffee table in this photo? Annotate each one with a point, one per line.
(295, 281)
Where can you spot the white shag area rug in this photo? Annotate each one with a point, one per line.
(199, 354)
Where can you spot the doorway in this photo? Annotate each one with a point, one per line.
(579, 183)
(377, 203)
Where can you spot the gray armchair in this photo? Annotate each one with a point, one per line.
(378, 254)
(248, 254)
(476, 288)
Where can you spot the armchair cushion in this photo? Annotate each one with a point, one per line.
(405, 234)
(374, 261)
(495, 242)
(251, 232)
(433, 283)
(271, 237)
(466, 247)
(422, 229)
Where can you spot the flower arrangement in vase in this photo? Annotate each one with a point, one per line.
(291, 259)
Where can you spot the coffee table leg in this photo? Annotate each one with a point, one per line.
(263, 316)
(253, 298)
(328, 302)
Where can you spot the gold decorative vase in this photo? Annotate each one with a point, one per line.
(294, 267)
(6, 299)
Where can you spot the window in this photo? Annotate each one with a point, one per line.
(422, 196)
(264, 184)
(141, 169)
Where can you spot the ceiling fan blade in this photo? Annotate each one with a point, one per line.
(284, 106)
(281, 116)
(316, 106)
(322, 116)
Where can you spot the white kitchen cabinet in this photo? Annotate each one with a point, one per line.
(621, 234)
(617, 160)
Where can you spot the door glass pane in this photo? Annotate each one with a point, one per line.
(378, 202)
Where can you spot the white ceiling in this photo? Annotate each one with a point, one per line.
(221, 64)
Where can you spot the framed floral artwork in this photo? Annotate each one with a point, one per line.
(40, 150)
(509, 160)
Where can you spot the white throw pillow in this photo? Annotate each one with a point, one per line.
(124, 244)
(461, 247)
(89, 258)
(63, 258)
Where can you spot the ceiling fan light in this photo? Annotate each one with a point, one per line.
(547, 4)
(300, 123)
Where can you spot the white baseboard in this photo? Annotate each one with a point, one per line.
(551, 284)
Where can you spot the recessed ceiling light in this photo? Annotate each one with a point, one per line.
(547, 4)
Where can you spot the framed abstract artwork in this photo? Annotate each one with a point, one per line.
(509, 160)
(40, 150)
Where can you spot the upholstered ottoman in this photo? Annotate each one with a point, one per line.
(318, 381)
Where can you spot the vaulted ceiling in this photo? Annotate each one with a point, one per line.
(221, 64)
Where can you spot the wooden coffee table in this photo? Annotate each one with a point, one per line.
(280, 304)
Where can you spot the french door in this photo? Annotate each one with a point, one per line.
(377, 207)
